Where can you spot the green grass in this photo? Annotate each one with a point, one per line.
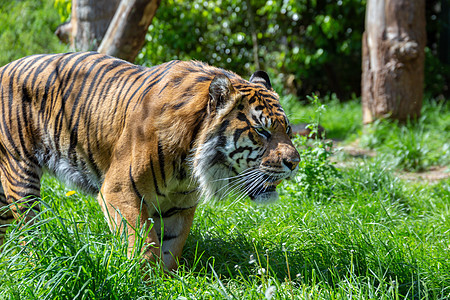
(367, 235)
(340, 120)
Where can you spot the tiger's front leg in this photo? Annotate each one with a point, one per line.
(172, 231)
(125, 211)
(127, 197)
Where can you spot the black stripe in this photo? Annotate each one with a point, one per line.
(237, 134)
(242, 117)
(6, 128)
(172, 211)
(74, 118)
(256, 120)
(179, 105)
(154, 80)
(241, 150)
(252, 100)
(155, 182)
(133, 185)
(222, 139)
(203, 78)
(177, 81)
(19, 115)
(200, 116)
(161, 162)
(164, 87)
(217, 158)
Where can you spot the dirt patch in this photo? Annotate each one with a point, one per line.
(357, 152)
(433, 174)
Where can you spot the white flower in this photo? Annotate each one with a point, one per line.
(261, 271)
(252, 259)
(270, 292)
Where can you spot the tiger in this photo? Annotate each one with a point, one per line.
(150, 142)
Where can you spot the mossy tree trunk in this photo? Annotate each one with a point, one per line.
(393, 59)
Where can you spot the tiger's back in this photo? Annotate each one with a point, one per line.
(65, 112)
(149, 141)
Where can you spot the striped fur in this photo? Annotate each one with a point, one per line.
(148, 141)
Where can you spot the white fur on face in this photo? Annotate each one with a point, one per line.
(219, 175)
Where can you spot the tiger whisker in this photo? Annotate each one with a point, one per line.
(235, 184)
(255, 183)
(255, 176)
(244, 173)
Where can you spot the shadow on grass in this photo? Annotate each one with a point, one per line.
(236, 257)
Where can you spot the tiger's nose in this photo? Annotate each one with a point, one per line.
(291, 163)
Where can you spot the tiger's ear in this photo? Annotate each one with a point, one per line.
(220, 93)
(261, 77)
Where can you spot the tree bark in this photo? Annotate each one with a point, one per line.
(393, 59)
(113, 27)
(89, 22)
(126, 33)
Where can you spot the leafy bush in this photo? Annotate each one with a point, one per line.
(315, 169)
(312, 40)
(27, 27)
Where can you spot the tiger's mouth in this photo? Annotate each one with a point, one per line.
(266, 193)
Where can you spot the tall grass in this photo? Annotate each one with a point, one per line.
(416, 145)
(374, 238)
(368, 235)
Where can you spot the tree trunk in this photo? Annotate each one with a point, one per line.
(393, 59)
(89, 22)
(113, 27)
(126, 33)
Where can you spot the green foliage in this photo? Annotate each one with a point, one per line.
(64, 8)
(316, 172)
(340, 120)
(315, 168)
(27, 27)
(437, 75)
(316, 43)
(313, 40)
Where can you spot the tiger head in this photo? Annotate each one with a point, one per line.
(246, 148)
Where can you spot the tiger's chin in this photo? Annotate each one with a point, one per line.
(268, 195)
(265, 198)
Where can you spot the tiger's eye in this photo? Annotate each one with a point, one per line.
(289, 131)
(263, 132)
